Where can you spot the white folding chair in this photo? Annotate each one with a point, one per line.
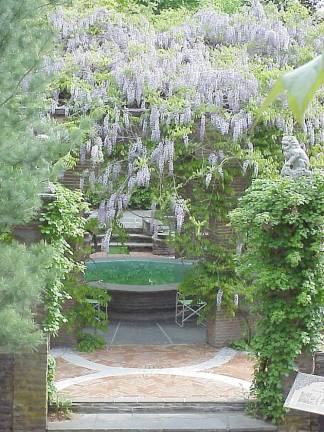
(97, 307)
(187, 308)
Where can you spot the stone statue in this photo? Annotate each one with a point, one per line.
(296, 159)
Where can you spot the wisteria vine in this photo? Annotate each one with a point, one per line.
(157, 91)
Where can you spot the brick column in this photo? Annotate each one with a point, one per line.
(23, 391)
(223, 329)
(6, 391)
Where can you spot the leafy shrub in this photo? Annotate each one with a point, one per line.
(141, 198)
(242, 345)
(90, 342)
(83, 314)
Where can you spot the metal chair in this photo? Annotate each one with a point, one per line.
(187, 308)
(97, 306)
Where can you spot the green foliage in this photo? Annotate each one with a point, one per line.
(83, 314)
(117, 250)
(215, 271)
(23, 277)
(62, 225)
(141, 198)
(208, 207)
(159, 6)
(90, 342)
(56, 403)
(242, 345)
(281, 222)
(26, 162)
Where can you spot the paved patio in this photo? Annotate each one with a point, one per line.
(153, 373)
(153, 333)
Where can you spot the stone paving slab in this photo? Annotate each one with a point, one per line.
(190, 422)
(130, 334)
(151, 372)
(153, 333)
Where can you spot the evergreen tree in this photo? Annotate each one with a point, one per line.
(29, 142)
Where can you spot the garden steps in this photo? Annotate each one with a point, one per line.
(135, 246)
(137, 240)
(225, 421)
(134, 238)
(172, 405)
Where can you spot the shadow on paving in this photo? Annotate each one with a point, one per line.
(153, 333)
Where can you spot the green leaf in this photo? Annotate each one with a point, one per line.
(300, 85)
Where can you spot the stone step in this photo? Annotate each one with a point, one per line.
(132, 246)
(162, 422)
(135, 238)
(85, 406)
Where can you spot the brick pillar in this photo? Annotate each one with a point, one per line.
(223, 329)
(23, 394)
(6, 391)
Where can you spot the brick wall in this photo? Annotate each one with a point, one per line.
(23, 394)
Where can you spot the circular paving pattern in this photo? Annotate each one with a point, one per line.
(157, 372)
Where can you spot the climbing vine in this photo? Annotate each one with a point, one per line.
(62, 225)
(281, 223)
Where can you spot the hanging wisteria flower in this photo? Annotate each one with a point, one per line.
(106, 241)
(179, 208)
(179, 82)
(208, 178)
(236, 300)
(213, 158)
(96, 155)
(143, 175)
(245, 166)
(219, 298)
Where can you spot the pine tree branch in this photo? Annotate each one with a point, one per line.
(14, 93)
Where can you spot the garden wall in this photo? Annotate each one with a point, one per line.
(23, 391)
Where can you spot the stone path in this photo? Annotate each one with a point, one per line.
(205, 422)
(185, 371)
